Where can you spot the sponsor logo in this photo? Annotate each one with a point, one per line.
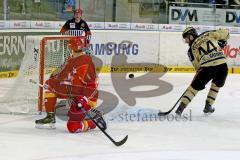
(112, 48)
(12, 45)
(140, 26)
(206, 28)
(231, 52)
(42, 24)
(167, 27)
(98, 25)
(82, 25)
(234, 30)
(112, 25)
(124, 26)
(170, 27)
(232, 17)
(39, 24)
(184, 14)
(145, 26)
(118, 26)
(150, 27)
(178, 28)
(2, 24)
(20, 24)
(72, 25)
(9, 74)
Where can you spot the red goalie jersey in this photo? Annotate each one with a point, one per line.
(77, 82)
(78, 77)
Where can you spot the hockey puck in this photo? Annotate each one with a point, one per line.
(131, 75)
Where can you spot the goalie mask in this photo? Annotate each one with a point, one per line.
(76, 44)
(190, 31)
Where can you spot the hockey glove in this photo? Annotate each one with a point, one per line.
(84, 104)
(94, 113)
(222, 43)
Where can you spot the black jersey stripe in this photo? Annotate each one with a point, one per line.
(192, 93)
(187, 98)
(211, 98)
(214, 90)
(222, 57)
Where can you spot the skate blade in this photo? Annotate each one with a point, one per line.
(45, 126)
(207, 114)
(178, 115)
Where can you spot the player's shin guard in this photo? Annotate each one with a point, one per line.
(50, 102)
(186, 99)
(212, 94)
(80, 126)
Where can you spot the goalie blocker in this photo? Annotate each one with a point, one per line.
(76, 81)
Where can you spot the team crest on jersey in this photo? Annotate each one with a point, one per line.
(74, 71)
(72, 25)
(82, 25)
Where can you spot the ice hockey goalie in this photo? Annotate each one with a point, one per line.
(77, 82)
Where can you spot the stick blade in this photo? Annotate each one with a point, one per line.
(163, 113)
(122, 141)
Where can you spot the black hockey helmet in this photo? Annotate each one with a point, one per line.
(190, 31)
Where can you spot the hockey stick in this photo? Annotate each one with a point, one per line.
(34, 82)
(166, 113)
(119, 143)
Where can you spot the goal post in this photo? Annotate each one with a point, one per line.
(43, 55)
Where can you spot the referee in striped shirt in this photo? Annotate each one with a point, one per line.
(77, 26)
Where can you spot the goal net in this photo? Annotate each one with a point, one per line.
(43, 55)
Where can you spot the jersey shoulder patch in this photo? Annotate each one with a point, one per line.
(72, 25)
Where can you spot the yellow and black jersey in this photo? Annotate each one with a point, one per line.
(205, 51)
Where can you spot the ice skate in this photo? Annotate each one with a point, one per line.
(46, 123)
(208, 109)
(180, 109)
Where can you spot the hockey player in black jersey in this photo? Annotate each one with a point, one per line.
(205, 53)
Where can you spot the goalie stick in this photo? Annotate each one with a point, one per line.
(166, 113)
(41, 85)
(117, 143)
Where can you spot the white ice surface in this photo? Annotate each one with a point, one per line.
(215, 137)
